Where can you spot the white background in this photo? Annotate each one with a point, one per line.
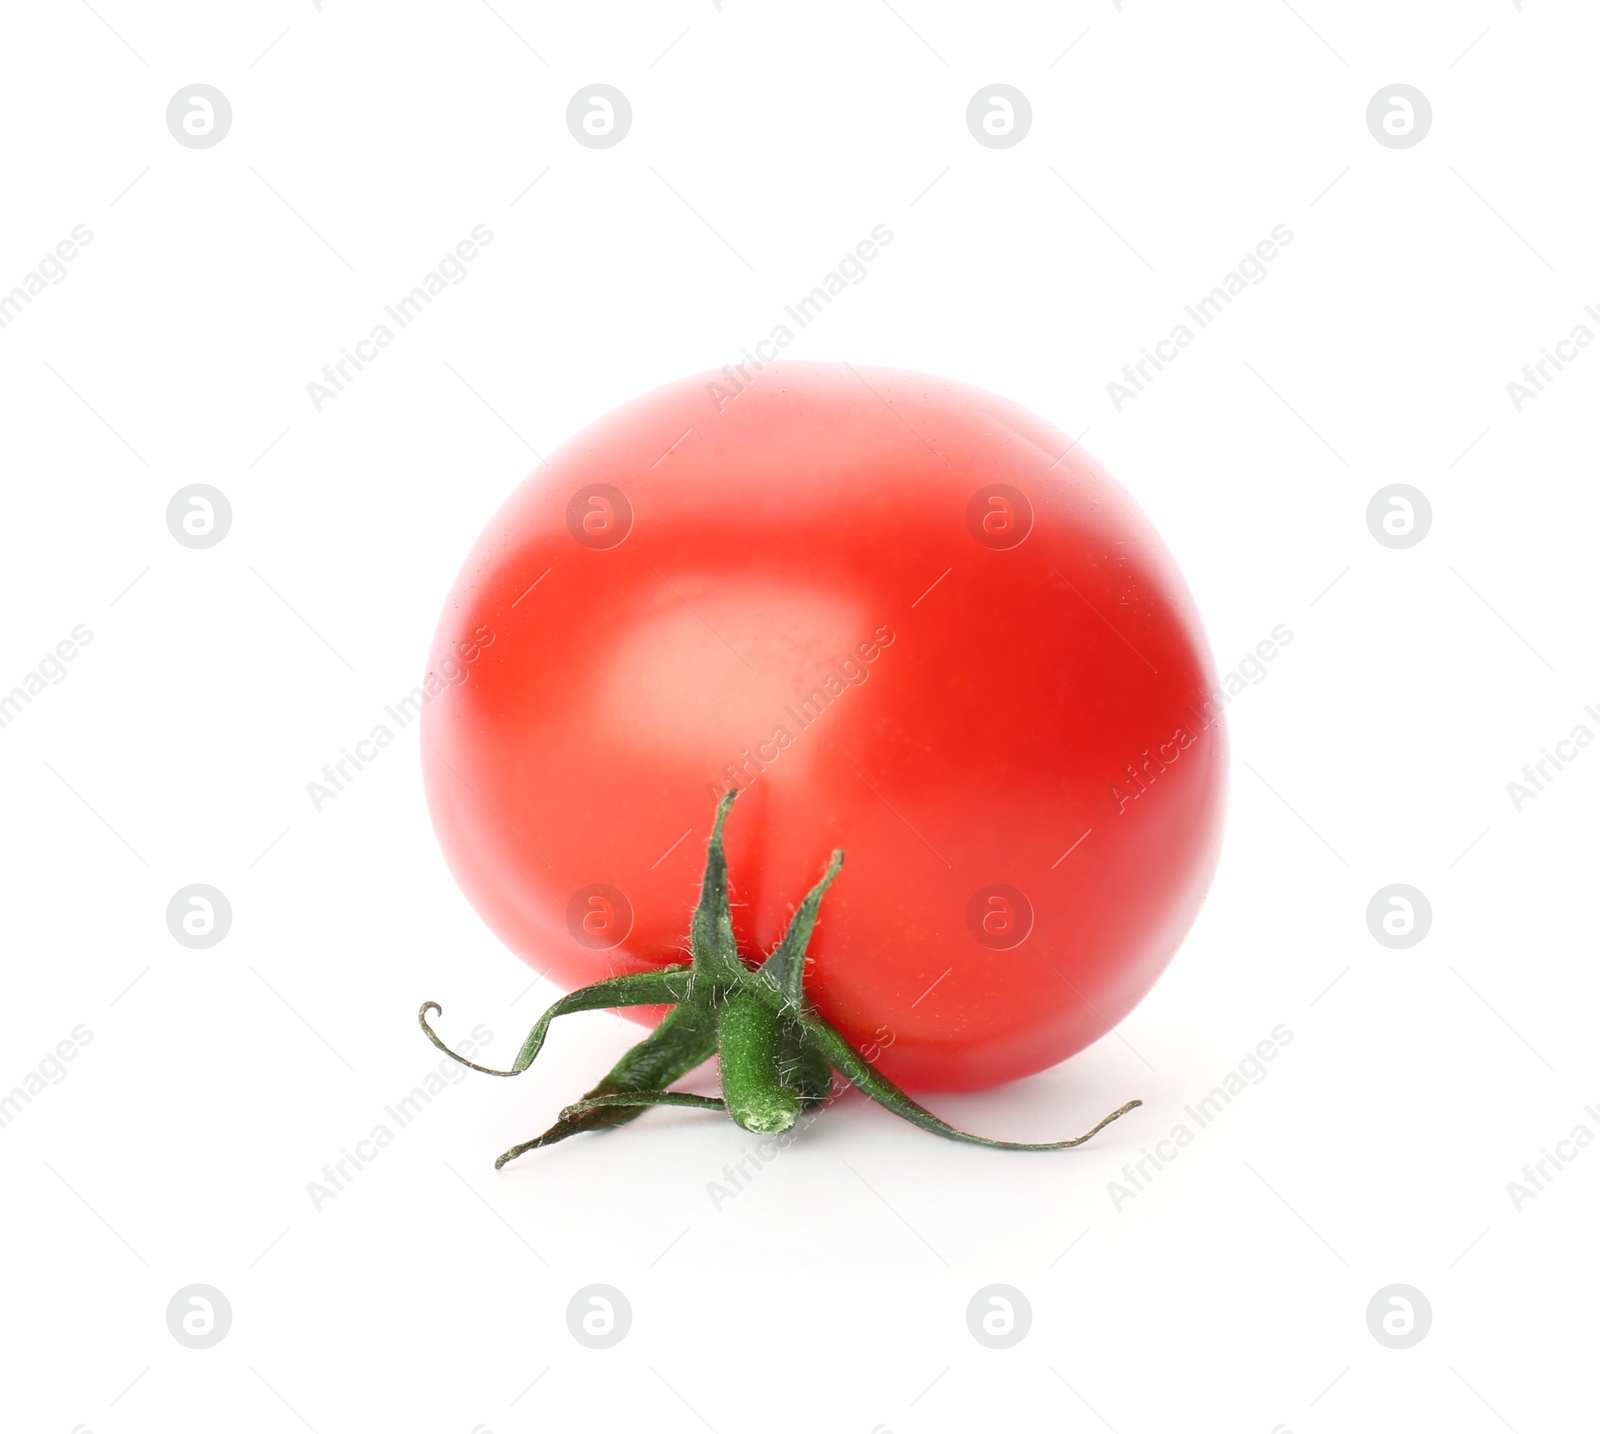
(1167, 139)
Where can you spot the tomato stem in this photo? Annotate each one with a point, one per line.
(749, 1038)
(777, 1054)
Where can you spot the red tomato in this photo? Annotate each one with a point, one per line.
(908, 622)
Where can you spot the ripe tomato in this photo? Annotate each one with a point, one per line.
(908, 622)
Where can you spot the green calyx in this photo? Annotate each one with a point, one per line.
(776, 1052)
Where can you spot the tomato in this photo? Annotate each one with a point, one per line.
(909, 620)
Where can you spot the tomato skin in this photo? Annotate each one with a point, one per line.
(847, 535)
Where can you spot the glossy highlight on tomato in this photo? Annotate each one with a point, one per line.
(906, 619)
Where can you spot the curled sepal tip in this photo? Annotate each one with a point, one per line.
(665, 987)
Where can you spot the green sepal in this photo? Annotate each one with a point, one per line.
(686, 1038)
(786, 967)
(803, 1066)
(636, 1101)
(711, 932)
(854, 1068)
(666, 987)
(605, 1112)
